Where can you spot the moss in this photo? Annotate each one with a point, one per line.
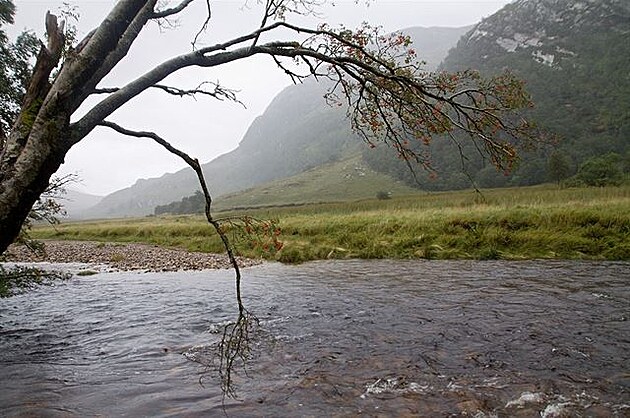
(29, 115)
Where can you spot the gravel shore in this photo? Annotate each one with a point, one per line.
(124, 256)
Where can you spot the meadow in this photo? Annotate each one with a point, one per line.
(540, 222)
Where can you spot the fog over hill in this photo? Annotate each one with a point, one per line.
(75, 202)
(297, 132)
(573, 56)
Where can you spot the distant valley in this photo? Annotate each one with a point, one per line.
(75, 203)
(297, 132)
(574, 60)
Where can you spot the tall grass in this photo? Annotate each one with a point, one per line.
(534, 222)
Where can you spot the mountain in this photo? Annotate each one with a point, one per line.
(574, 57)
(75, 202)
(433, 43)
(297, 132)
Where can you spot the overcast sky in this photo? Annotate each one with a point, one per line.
(205, 128)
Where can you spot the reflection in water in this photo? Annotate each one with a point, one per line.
(420, 338)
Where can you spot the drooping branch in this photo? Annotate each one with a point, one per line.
(234, 345)
(194, 164)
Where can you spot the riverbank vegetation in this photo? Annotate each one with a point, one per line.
(531, 222)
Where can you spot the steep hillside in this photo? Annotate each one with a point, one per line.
(297, 132)
(574, 57)
(75, 202)
(349, 179)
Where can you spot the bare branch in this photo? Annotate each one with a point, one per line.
(234, 345)
(108, 105)
(170, 12)
(218, 92)
(204, 26)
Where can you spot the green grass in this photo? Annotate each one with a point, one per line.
(522, 223)
(349, 179)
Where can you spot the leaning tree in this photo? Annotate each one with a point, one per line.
(375, 77)
(387, 94)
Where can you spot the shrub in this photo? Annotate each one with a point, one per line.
(382, 195)
(602, 171)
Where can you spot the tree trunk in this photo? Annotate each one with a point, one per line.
(27, 176)
(42, 135)
(29, 156)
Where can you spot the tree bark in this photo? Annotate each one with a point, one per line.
(25, 167)
(41, 136)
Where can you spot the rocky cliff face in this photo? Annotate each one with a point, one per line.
(545, 30)
(574, 57)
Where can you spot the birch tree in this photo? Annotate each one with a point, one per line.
(376, 77)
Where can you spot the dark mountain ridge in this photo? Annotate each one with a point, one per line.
(574, 57)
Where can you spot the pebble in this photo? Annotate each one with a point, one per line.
(127, 256)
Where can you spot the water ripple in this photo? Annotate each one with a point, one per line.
(345, 338)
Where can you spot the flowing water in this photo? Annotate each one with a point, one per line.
(370, 338)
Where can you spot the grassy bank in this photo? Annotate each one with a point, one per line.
(534, 222)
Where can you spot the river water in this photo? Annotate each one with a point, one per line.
(343, 338)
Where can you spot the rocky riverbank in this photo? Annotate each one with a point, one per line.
(123, 256)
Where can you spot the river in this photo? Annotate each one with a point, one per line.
(341, 338)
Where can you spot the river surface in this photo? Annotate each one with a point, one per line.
(347, 338)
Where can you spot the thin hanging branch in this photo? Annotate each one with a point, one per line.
(234, 346)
